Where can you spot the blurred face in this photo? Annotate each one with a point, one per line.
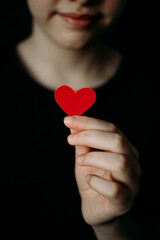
(72, 23)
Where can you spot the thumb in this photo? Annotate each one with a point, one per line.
(80, 150)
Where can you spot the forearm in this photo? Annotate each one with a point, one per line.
(122, 228)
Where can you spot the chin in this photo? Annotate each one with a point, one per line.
(73, 42)
(74, 46)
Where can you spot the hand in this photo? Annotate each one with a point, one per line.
(106, 168)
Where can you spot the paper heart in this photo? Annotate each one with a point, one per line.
(74, 103)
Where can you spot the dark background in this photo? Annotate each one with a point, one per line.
(134, 33)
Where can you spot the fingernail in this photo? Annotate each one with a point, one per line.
(80, 158)
(72, 137)
(69, 120)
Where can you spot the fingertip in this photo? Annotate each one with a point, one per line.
(70, 120)
(66, 120)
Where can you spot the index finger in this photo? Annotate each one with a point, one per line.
(81, 123)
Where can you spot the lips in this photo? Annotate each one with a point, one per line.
(79, 20)
(78, 16)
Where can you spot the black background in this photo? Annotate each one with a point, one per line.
(134, 32)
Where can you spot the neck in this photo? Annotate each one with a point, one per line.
(75, 67)
(77, 59)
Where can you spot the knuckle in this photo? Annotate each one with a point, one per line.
(122, 163)
(113, 127)
(115, 191)
(119, 141)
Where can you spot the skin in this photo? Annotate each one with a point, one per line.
(108, 180)
(46, 19)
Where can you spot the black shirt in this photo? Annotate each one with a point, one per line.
(39, 194)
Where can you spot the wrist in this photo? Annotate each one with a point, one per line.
(111, 224)
(114, 229)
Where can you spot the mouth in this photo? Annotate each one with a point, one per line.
(80, 20)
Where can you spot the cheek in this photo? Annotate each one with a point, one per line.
(112, 9)
(41, 9)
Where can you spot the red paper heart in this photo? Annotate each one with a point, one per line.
(74, 103)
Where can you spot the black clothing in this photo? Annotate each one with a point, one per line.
(39, 194)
